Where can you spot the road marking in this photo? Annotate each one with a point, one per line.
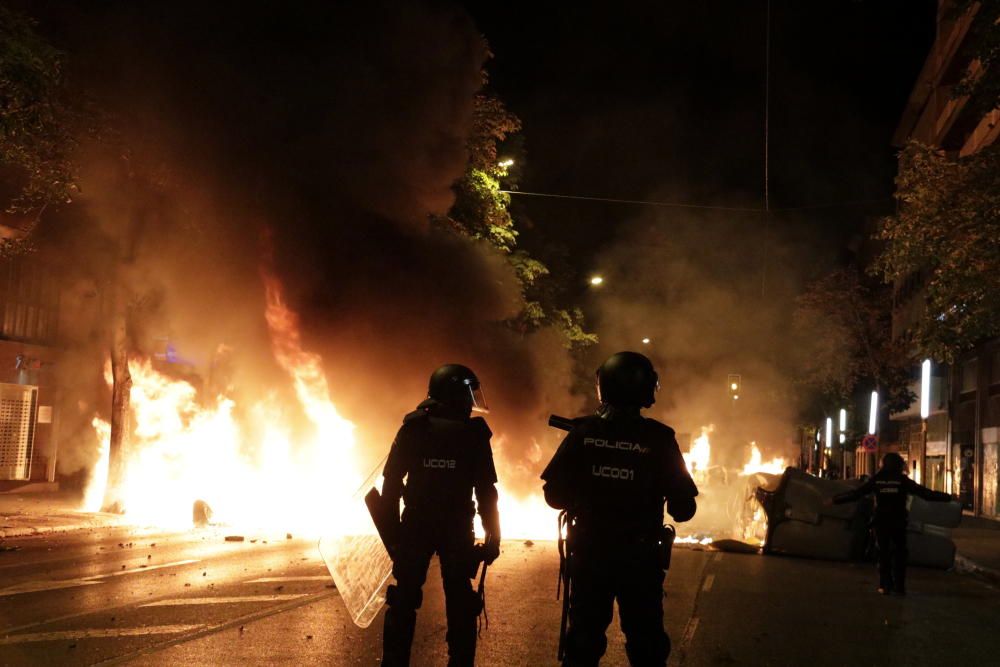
(180, 602)
(212, 629)
(707, 586)
(119, 573)
(717, 557)
(37, 586)
(271, 580)
(691, 629)
(98, 633)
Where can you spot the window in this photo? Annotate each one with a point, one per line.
(29, 301)
(970, 369)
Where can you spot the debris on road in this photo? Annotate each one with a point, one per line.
(234, 538)
(201, 513)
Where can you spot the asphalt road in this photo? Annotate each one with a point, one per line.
(115, 597)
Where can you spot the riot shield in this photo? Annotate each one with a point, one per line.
(357, 559)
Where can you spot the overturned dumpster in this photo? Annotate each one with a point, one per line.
(800, 524)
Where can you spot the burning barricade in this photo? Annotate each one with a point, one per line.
(798, 523)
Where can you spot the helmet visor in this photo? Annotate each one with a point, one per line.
(478, 398)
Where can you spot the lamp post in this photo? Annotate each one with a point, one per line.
(829, 437)
(872, 459)
(842, 438)
(925, 411)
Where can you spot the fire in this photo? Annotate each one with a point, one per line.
(756, 464)
(697, 458)
(251, 471)
(258, 470)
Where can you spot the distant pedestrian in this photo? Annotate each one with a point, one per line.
(891, 487)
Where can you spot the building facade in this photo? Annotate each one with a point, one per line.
(956, 448)
(29, 357)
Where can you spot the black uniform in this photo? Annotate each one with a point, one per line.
(613, 473)
(891, 488)
(444, 457)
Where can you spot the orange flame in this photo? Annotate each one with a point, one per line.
(251, 472)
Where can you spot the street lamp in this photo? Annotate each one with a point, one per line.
(645, 341)
(843, 425)
(506, 163)
(925, 389)
(596, 280)
(925, 411)
(829, 435)
(873, 414)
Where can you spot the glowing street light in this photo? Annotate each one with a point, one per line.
(645, 341)
(829, 432)
(843, 425)
(925, 389)
(873, 414)
(596, 280)
(509, 162)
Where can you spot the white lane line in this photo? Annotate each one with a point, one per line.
(97, 633)
(271, 580)
(180, 602)
(689, 632)
(717, 557)
(707, 586)
(140, 570)
(37, 586)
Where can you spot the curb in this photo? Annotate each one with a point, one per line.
(965, 566)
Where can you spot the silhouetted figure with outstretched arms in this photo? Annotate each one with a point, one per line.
(891, 487)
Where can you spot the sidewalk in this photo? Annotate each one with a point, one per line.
(978, 543)
(23, 514)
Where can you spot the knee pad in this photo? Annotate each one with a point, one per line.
(464, 603)
(403, 598)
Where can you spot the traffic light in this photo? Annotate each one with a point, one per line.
(735, 385)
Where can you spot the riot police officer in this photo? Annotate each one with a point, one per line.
(891, 487)
(612, 475)
(444, 456)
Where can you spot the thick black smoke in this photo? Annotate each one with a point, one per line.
(322, 136)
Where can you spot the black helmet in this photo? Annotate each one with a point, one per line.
(457, 386)
(893, 462)
(627, 379)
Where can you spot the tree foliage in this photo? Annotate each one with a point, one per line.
(843, 327)
(947, 231)
(482, 211)
(37, 123)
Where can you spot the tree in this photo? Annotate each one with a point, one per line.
(41, 125)
(947, 233)
(37, 126)
(482, 211)
(843, 327)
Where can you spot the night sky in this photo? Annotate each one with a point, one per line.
(665, 101)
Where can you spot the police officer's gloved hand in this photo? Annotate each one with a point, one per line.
(492, 547)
